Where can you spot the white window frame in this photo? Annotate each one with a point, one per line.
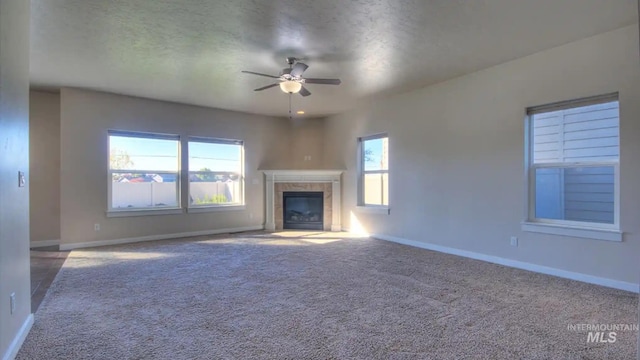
(361, 206)
(159, 210)
(195, 208)
(591, 230)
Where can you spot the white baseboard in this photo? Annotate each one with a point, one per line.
(15, 345)
(622, 285)
(157, 237)
(44, 243)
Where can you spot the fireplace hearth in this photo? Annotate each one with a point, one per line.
(303, 210)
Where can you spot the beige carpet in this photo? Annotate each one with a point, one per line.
(261, 296)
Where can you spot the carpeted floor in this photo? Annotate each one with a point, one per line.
(264, 296)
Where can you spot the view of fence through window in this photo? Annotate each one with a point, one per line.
(215, 172)
(375, 175)
(144, 171)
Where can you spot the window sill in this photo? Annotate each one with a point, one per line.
(573, 231)
(382, 210)
(144, 212)
(206, 209)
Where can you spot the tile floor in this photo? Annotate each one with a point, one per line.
(45, 264)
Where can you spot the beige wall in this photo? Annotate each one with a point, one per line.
(85, 118)
(456, 156)
(638, 355)
(14, 157)
(44, 158)
(307, 140)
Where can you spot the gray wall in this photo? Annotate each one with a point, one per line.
(307, 143)
(14, 157)
(44, 158)
(85, 118)
(457, 156)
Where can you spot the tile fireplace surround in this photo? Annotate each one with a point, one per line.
(327, 181)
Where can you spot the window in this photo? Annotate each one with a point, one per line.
(573, 163)
(216, 172)
(373, 167)
(143, 171)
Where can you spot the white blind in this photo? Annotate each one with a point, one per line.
(580, 134)
(143, 135)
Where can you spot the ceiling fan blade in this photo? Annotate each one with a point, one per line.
(255, 73)
(298, 69)
(265, 87)
(323, 81)
(304, 91)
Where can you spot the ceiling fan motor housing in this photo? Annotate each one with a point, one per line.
(291, 60)
(290, 79)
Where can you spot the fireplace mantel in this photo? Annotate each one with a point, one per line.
(303, 176)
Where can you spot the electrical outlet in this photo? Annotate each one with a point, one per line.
(96, 227)
(12, 302)
(514, 241)
(255, 182)
(250, 216)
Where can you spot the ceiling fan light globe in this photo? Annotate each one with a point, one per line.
(290, 87)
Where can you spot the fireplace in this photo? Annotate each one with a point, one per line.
(322, 183)
(303, 210)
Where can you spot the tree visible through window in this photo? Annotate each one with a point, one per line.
(120, 159)
(143, 171)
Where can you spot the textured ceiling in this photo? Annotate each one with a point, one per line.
(192, 51)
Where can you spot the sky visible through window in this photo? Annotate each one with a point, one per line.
(162, 155)
(218, 157)
(374, 155)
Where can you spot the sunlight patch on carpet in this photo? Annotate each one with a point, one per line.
(97, 258)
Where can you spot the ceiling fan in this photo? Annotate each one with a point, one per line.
(291, 80)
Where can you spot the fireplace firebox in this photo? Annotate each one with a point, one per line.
(303, 210)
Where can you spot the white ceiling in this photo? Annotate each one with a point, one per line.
(192, 51)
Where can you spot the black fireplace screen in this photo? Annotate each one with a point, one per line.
(303, 210)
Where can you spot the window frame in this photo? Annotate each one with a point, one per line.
(361, 172)
(193, 208)
(159, 210)
(583, 229)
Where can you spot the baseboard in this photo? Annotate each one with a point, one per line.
(87, 244)
(621, 285)
(15, 345)
(44, 243)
